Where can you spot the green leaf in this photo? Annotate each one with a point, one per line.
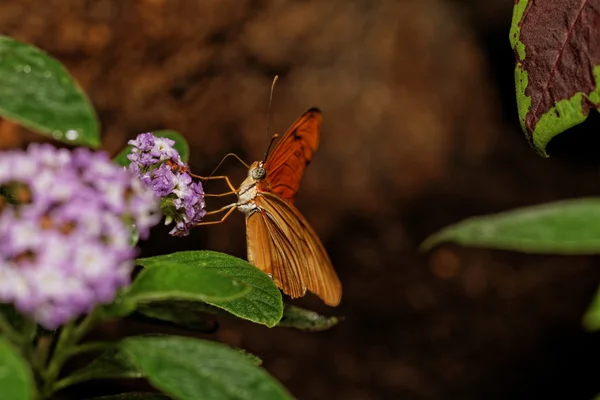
(306, 320)
(591, 319)
(187, 314)
(37, 92)
(192, 369)
(134, 396)
(16, 378)
(262, 304)
(563, 227)
(252, 357)
(181, 145)
(176, 280)
(557, 73)
(110, 364)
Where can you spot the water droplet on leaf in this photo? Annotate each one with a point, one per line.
(27, 69)
(57, 134)
(72, 134)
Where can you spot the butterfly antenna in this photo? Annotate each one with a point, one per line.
(225, 158)
(269, 118)
(207, 179)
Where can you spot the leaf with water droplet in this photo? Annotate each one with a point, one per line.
(37, 92)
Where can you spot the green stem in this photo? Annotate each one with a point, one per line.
(89, 321)
(68, 338)
(68, 381)
(90, 348)
(38, 355)
(10, 332)
(59, 357)
(84, 348)
(30, 330)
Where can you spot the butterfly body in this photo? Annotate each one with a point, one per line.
(248, 191)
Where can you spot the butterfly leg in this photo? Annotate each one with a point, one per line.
(219, 195)
(227, 207)
(207, 178)
(231, 207)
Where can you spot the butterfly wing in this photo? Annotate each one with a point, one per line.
(282, 244)
(288, 160)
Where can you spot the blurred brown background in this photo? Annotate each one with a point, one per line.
(420, 131)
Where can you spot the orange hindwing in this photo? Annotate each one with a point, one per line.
(282, 244)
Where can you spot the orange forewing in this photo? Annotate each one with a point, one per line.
(287, 162)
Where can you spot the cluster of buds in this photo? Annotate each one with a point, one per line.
(159, 166)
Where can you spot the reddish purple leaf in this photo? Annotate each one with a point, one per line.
(557, 46)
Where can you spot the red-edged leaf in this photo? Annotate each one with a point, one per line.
(557, 76)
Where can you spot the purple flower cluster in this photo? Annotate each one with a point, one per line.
(159, 166)
(65, 245)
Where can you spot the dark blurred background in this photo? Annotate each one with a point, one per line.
(420, 131)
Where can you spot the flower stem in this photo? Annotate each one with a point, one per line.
(90, 348)
(10, 332)
(66, 347)
(30, 330)
(89, 321)
(84, 348)
(59, 357)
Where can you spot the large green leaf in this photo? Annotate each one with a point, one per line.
(37, 92)
(176, 280)
(563, 227)
(181, 145)
(262, 304)
(192, 369)
(557, 72)
(114, 363)
(16, 378)
(306, 320)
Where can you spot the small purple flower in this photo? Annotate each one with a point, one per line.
(159, 166)
(65, 246)
(163, 180)
(149, 150)
(144, 142)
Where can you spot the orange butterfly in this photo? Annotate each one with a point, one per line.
(280, 241)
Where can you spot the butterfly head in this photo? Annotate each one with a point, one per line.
(257, 171)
